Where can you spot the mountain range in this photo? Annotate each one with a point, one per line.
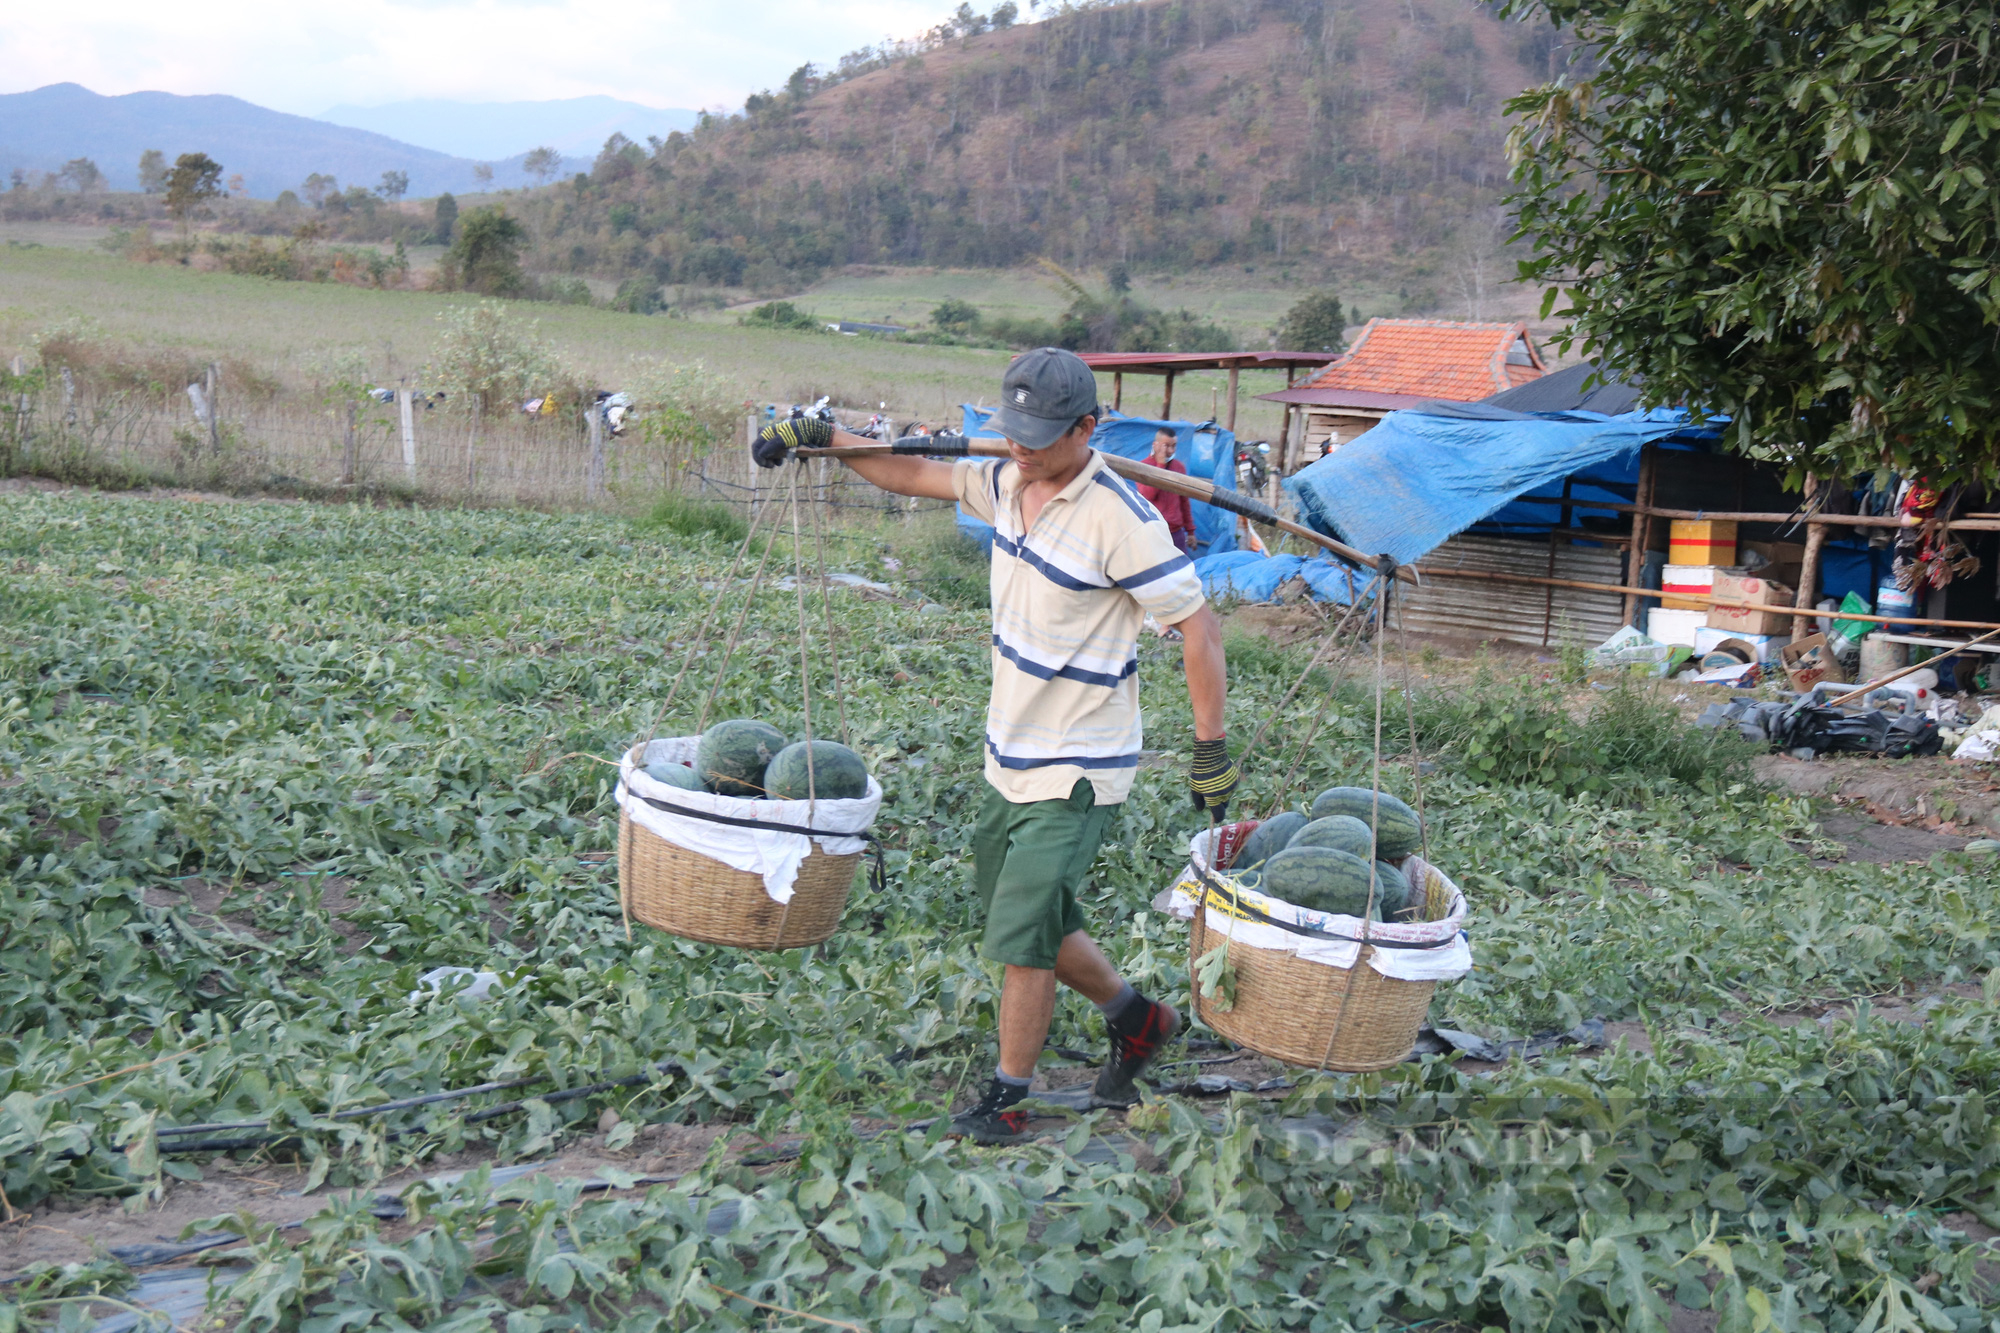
(576, 127)
(271, 150)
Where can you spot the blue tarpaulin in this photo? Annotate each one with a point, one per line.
(1208, 453)
(1414, 481)
(1251, 576)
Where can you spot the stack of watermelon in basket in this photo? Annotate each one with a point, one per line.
(1330, 926)
(739, 836)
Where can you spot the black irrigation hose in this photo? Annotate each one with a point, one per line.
(491, 1112)
(380, 1108)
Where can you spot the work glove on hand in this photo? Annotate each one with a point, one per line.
(1213, 777)
(776, 441)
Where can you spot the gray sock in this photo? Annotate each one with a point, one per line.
(1114, 1006)
(1010, 1080)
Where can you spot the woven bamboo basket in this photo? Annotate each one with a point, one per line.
(684, 893)
(1292, 1010)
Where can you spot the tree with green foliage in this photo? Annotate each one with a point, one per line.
(486, 256)
(1784, 214)
(486, 349)
(1315, 323)
(194, 179)
(782, 315)
(152, 171)
(1115, 321)
(445, 220)
(82, 175)
(955, 315)
(542, 163)
(395, 184)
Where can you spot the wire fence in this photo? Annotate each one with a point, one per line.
(409, 447)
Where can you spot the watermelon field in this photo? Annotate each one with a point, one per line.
(262, 765)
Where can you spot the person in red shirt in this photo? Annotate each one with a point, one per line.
(1173, 508)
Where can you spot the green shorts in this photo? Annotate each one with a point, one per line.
(1028, 860)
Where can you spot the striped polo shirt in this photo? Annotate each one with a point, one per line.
(1069, 599)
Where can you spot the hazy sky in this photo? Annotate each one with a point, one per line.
(311, 54)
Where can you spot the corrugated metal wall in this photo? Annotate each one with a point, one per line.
(1518, 613)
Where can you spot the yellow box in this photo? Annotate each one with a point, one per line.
(1701, 541)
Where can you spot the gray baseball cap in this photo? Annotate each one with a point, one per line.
(1041, 396)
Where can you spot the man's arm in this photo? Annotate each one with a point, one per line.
(899, 473)
(1207, 672)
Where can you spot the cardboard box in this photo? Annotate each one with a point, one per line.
(1701, 541)
(1766, 646)
(1808, 662)
(1686, 578)
(1750, 588)
(1665, 625)
(1783, 561)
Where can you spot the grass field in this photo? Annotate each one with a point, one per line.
(263, 764)
(50, 273)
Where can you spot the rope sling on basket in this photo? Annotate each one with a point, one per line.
(749, 872)
(1319, 991)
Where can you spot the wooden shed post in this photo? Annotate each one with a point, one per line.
(1229, 412)
(1117, 391)
(1642, 530)
(1809, 569)
(1167, 401)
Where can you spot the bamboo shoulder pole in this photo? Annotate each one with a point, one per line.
(1194, 488)
(1179, 483)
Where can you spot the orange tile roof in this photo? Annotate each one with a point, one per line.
(1433, 358)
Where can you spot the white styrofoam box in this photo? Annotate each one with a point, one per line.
(1767, 645)
(1674, 627)
(1698, 579)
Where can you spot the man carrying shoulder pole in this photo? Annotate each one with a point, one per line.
(1079, 560)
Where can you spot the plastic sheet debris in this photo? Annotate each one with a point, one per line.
(437, 982)
(1629, 648)
(1587, 1035)
(1804, 725)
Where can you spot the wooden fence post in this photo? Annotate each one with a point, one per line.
(214, 388)
(409, 415)
(594, 417)
(19, 369)
(1229, 415)
(349, 452)
(472, 436)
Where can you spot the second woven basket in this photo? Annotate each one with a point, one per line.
(1291, 1009)
(684, 893)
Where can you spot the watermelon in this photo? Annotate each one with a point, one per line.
(1323, 879)
(733, 755)
(1400, 831)
(1345, 832)
(674, 775)
(837, 773)
(1267, 838)
(1396, 896)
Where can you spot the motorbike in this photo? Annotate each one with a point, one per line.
(1254, 458)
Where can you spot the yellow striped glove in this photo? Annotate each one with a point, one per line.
(1213, 777)
(776, 441)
